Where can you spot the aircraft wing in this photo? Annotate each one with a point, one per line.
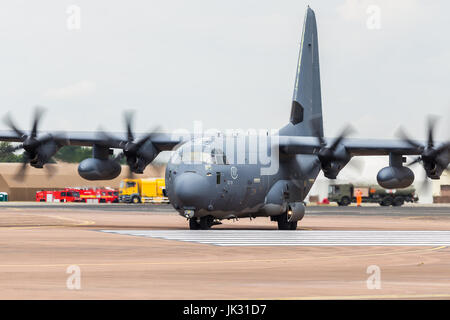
(162, 141)
(355, 147)
(334, 154)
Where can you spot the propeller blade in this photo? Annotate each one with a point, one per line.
(357, 165)
(51, 170)
(401, 134)
(130, 174)
(431, 124)
(105, 138)
(128, 122)
(416, 160)
(442, 162)
(119, 157)
(20, 175)
(425, 185)
(345, 132)
(46, 139)
(148, 136)
(38, 111)
(10, 123)
(11, 149)
(444, 147)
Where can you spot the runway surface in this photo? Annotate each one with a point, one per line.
(366, 209)
(328, 257)
(298, 237)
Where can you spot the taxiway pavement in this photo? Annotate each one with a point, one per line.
(39, 244)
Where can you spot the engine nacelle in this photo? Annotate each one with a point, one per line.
(98, 169)
(295, 211)
(395, 177)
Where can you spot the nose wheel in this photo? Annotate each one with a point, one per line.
(194, 224)
(203, 223)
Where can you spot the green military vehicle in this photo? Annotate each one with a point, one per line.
(344, 194)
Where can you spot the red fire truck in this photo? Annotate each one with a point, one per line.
(88, 195)
(65, 195)
(107, 195)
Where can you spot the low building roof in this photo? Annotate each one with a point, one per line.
(65, 175)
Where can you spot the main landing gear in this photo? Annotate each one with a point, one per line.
(206, 222)
(284, 224)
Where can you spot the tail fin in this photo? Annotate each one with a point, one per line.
(306, 110)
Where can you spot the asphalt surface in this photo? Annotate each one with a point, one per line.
(148, 252)
(368, 209)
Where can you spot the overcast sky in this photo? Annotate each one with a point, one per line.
(230, 64)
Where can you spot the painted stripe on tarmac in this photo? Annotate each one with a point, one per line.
(297, 238)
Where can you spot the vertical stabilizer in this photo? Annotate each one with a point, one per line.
(306, 110)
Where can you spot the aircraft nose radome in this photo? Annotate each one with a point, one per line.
(190, 188)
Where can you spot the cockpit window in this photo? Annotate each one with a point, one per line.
(196, 157)
(218, 156)
(202, 150)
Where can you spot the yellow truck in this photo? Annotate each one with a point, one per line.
(143, 190)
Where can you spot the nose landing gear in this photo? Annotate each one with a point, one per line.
(203, 223)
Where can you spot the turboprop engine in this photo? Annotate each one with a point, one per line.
(395, 177)
(100, 167)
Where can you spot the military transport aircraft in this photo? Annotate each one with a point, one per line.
(217, 176)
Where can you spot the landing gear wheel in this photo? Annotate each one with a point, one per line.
(284, 224)
(398, 201)
(194, 224)
(206, 222)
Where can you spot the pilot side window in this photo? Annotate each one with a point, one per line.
(218, 156)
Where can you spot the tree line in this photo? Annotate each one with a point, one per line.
(71, 154)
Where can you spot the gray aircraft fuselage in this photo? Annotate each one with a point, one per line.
(224, 189)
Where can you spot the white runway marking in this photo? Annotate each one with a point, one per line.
(297, 238)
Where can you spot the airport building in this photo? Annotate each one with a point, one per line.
(441, 189)
(66, 175)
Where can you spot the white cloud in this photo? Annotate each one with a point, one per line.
(79, 89)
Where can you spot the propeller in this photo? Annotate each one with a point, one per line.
(434, 159)
(138, 153)
(37, 150)
(332, 158)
